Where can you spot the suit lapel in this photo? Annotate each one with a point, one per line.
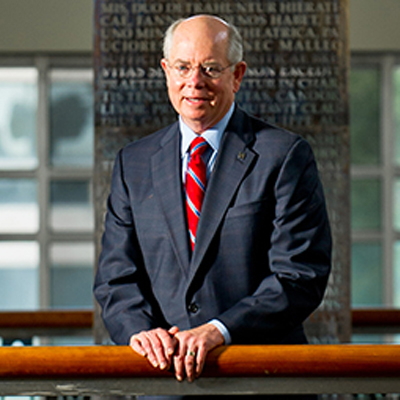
(232, 163)
(166, 172)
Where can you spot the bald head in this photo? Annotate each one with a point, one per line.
(212, 27)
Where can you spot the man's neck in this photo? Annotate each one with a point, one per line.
(199, 127)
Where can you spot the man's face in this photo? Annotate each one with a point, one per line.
(201, 100)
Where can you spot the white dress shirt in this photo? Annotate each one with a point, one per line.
(213, 137)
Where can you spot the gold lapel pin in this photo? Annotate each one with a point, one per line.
(241, 156)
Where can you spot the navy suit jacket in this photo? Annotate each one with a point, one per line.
(263, 250)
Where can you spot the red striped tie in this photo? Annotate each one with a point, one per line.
(195, 185)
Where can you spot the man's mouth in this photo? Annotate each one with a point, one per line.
(197, 100)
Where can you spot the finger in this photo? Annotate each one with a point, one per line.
(179, 367)
(200, 361)
(136, 345)
(148, 347)
(164, 346)
(173, 330)
(169, 342)
(161, 343)
(190, 364)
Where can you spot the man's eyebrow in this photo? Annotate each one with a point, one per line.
(203, 63)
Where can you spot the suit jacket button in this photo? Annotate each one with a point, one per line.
(193, 308)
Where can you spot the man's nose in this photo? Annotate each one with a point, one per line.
(197, 77)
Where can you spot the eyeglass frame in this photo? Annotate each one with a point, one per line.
(201, 67)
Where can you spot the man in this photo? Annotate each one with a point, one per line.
(257, 263)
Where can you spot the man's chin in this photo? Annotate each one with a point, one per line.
(197, 116)
(197, 123)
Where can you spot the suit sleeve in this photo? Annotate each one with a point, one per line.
(299, 256)
(121, 285)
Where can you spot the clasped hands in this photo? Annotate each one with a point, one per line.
(186, 350)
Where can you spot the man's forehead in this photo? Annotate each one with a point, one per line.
(199, 34)
(208, 20)
(212, 27)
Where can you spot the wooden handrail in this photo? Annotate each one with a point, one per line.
(58, 319)
(373, 317)
(26, 324)
(226, 361)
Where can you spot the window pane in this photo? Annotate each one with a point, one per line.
(365, 204)
(19, 211)
(396, 274)
(71, 118)
(364, 111)
(18, 105)
(364, 338)
(19, 275)
(71, 207)
(71, 274)
(366, 283)
(396, 205)
(396, 112)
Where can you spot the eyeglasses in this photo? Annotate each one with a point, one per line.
(208, 70)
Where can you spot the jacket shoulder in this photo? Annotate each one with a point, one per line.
(148, 145)
(270, 136)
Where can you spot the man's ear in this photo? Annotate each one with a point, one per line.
(238, 75)
(164, 65)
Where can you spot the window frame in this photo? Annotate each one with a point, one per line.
(44, 173)
(386, 171)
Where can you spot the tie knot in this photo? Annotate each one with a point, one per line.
(198, 146)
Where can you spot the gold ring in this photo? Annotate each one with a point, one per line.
(191, 353)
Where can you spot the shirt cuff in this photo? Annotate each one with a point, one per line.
(223, 329)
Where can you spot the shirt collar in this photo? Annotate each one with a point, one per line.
(212, 135)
